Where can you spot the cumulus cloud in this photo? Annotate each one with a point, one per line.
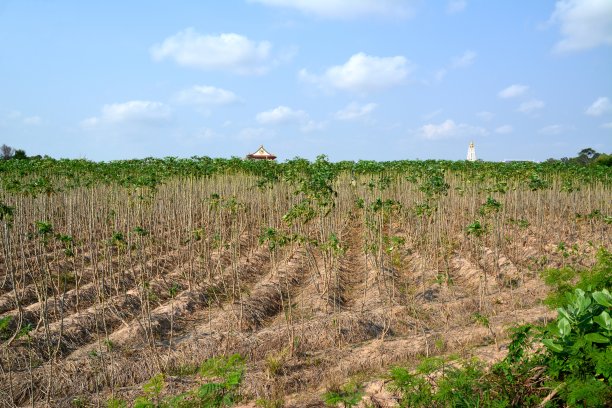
(32, 120)
(584, 24)
(199, 137)
(455, 6)
(206, 96)
(531, 106)
(552, 130)
(15, 115)
(362, 73)
(433, 114)
(513, 91)
(449, 129)
(281, 114)
(355, 111)
(286, 115)
(251, 133)
(462, 61)
(344, 9)
(131, 111)
(601, 106)
(206, 134)
(465, 60)
(485, 115)
(312, 126)
(229, 51)
(607, 125)
(504, 129)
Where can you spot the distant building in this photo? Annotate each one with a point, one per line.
(471, 155)
(261, 154)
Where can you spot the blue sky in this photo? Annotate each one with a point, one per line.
(352, 79)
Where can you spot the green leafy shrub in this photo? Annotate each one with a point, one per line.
(5, 331)
(116, 403)
(476, 228)
(152, 390)
(567, 364)
(564, 280)
(579, 357)
(349, 395)
(228, 373)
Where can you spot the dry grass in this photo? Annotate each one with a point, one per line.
(199, 284)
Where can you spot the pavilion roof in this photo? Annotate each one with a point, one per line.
(261, 153)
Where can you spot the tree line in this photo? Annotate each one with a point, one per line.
(7, 153)
(586, 157)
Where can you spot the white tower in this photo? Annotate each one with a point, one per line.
(471, 156)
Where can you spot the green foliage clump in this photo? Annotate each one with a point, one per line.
(5, 331)
(225, 391)
(348, 395)
(566, 364)
(536, 182)
(6, 213)
(579, 350)
(116, 403)
(564, 280)
(152, 390)
(476, 229)
(490, 206)
(224, 375)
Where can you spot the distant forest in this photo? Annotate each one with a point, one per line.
(585, 156)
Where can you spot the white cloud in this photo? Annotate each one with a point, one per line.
(32, 120)
(362, 73)
(531, 106)
(431, 115)
(607, 125)
(199, 137)
(312, 126)
(131, 111)
(15, 115)
(599, 107)
(440, 74)
(486, 116)
(462, 61)
(552, 130)
(206, 134)
(229, 51)
(281, 114)
(449, 129)
(345, 9)
(251, 133)
(355, 111)
(513, 91)
(504, 129)
(206, 95)
(584, 24)
(285, 115)
(455, 6)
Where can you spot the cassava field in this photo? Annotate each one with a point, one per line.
(132, 283)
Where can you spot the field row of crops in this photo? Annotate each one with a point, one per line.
(111, 273)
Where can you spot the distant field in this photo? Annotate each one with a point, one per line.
(316, 273)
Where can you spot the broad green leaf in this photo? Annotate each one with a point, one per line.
(209, 389)
(552, 345)
(583, 304)
(564, 314)
(596, 338)
(604, 320)
(564, 327)
(603, 298)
